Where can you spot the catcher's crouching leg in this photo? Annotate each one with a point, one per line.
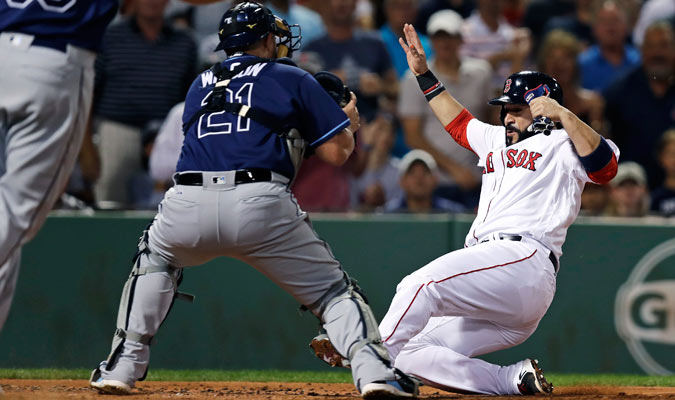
(352, 329)
(146, 300)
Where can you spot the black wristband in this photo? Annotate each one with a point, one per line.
(430, 85)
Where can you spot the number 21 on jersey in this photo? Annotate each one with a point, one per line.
(220, 123)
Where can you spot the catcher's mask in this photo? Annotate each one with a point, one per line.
(248, 22)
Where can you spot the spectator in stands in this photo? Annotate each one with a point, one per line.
(207, 16)
(144, 192)
(663, 197)
(640, 105)
(359, 57)
(145, 67)
(514, 11)
(578, 23)
(398, 13)
(558, 58)
(629, 195)
(310, 22)
(169, 141)
(378, 183)
(652, 11)
(487, 35)
(469, 80)
(417, 171)
(595, 200)
(611, 56)
(427, 8)
(539, 12)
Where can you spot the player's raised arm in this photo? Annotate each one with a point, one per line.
(444, 106)
(594, 151)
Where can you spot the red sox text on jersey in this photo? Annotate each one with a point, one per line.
(523, 158)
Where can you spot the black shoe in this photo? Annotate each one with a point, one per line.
(531, 379)
(403, 387)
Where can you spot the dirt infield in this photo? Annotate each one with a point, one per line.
(78, 389)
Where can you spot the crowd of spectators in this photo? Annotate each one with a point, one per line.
(614, 59)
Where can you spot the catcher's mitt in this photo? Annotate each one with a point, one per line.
(336, 89)
(334, 86)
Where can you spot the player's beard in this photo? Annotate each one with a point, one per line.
(511, 127)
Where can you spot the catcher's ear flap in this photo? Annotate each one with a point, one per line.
(334, 86)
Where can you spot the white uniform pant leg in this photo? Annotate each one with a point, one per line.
(509, 284)
(44, 106)
(441, 355)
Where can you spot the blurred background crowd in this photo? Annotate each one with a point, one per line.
(615, 60)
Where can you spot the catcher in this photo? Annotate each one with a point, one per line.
(248, 122)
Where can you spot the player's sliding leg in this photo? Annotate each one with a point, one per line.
(474, 282)
(441, 355)
(146, 300)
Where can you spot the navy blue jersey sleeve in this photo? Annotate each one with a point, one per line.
(322, 118)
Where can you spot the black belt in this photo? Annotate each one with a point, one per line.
(518, 238)
(250, 175)
(52, 44)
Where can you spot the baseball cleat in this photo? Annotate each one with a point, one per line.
(323, 349)
(531, 379)
(108, 386)
(111, 386)
(404, 387)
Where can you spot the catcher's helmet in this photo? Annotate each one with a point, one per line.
(519, 84)
(248, 22)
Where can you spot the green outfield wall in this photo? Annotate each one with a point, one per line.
(614, 309)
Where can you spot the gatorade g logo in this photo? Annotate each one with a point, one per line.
(507, 85)
(645, 310)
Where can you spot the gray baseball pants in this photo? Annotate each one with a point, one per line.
(262, 225)
(45, 98)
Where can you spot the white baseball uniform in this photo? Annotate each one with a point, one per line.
(491, 294)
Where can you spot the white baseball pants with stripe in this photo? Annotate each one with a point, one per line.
(469, 302)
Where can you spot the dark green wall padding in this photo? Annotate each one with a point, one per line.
(72, 274)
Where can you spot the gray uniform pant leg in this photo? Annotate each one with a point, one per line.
(303, 265)
(44, 105)
(262, 225)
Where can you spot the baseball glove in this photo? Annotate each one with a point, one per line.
(336, 89)
(334, 86)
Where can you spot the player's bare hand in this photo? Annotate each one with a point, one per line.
(414, 52)
(547, 107)
(353, 113)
